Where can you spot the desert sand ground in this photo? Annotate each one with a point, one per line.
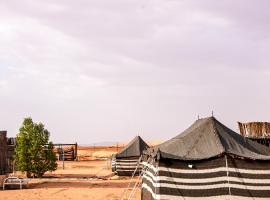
(89, 178)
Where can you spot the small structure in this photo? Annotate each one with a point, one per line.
(256, 131)
(207, 161)
(6, 153)
(126, 161)
(66, 152)
(3, 152)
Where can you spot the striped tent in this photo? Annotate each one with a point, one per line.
(126, 160)
(207, 161)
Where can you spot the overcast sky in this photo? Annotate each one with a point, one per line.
(108, 70)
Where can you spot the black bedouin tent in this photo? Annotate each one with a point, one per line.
(207, 161)
(126, 160)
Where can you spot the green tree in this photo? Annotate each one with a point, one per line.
(34, 153)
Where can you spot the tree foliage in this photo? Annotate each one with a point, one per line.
(34, 153)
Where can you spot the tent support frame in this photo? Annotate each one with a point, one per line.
(228, 177)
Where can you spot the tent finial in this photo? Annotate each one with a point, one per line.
(198, 116)
(212, 113)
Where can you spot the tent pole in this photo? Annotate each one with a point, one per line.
(156, 181)
(228, 178)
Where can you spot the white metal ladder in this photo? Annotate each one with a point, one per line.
(136, 185)
(130, 181)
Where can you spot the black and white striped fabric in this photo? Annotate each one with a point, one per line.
(207, 161)
(113, 163)
(126, 166)
(207, 180)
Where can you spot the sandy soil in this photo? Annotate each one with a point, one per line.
(97, 152)
(93, 153)
(69, 190)
(78, 180)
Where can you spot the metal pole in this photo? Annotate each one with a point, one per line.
(228, 178)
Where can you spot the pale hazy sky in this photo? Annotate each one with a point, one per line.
(107, 70)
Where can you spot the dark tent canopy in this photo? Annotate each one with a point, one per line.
(126, 161)
(208, 138)
(133, 149)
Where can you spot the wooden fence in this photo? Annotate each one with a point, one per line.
(66, 151)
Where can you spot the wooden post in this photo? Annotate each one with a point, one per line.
(63, 157)
(76, 148)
